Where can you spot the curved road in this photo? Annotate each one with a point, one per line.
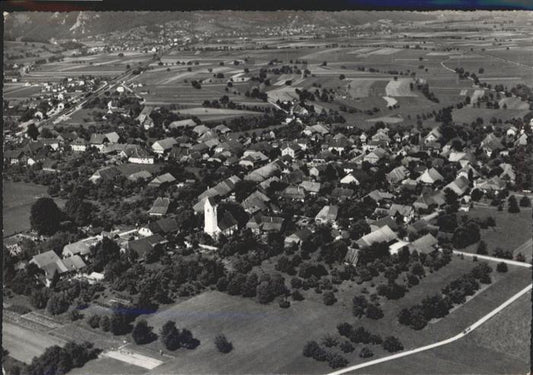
(465, 332)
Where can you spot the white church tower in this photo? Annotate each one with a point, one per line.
(210, 218)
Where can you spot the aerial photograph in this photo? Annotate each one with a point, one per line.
(267, 192)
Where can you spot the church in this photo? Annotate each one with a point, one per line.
(215, 224)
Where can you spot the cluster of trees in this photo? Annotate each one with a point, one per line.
(438, 306)
(313, 350)
(174, 338)
(59, 360)
(361, 307)
(63, 294)
(361, 335)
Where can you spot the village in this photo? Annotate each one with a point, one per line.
(143, 210)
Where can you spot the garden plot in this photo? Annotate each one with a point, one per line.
(283, 93)
(133, 358)
(362, 87)
(476, 95)
(513, 103)
(400, 87)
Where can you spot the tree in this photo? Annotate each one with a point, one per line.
(58, 303)
(513, 205)
(329, 298)
(310, 348)
(142, 333)
(45, 216)
(39, 298)
(392, 344)
(482, 248)
(374, 312)
(525, 202)
(119, 324)
(170, 336)
(222, 344)
(337, 361)
(32, 131)
(346, 347)
(105, 323)
(359, 306)
(94, 321)
(501, 267)
(366, 352)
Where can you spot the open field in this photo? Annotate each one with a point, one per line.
(104, 365)
(500, 346)
(18, 199)
(23, 343)
(467, 115)
(260, 349)
(216, 114)
(511, 231)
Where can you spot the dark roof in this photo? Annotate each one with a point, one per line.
(143, 245)
(166, 225)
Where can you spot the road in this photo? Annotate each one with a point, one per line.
(465, 332)
(494, 259)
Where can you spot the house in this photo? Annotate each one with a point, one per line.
(491, 143)
(78, 145)
(318, 129)
(297, 237)
(492, 184)
(180, 124)
(265, 224)
(162, 226)
(214, 225)
(425, 244)
(140, 175)
(257, 201)
(396, 246)
(136, 154)
(378, 195)
(430, 176)
(144, 245)
(52, 143)
(162, 180)
(429, 199)
(383, 234)
(292, 150)
(112, 137)
(433, 136)
(164, 145)
(342, 193)
(375, 156)
(405, 211)
(349, 179)
(327, 215)
(221, 189)
(200, 129)
(13, 156)
(294, 192)
(51, 264)
(397, 175)
(106, 173)
(459, 186)
(98, 141)
(160, 207)
(81, 248)
(311, 187)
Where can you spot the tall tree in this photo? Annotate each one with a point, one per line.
(45, 216)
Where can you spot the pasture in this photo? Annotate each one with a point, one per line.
(18, 199)
(510, 233)
(500, 346)
(216, 114)
(260, 349)
(23, 343)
